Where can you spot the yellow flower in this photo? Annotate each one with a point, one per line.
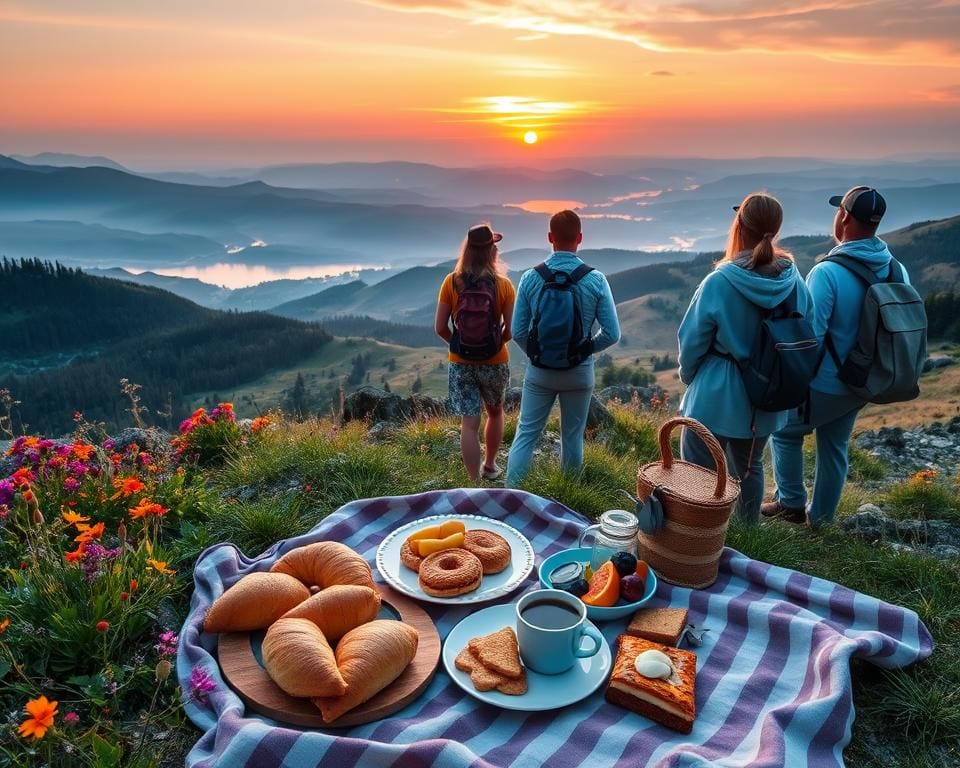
(41, 717)
(72, 518)
(160, 566)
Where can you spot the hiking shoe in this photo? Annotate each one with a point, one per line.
(491, 473)
(774, 509)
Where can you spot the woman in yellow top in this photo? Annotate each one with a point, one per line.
(478, 300)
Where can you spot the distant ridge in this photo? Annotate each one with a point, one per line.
(64, 159)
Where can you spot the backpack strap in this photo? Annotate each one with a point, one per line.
(545, 272)
(579, 273)
(896, 272)
(855, 266)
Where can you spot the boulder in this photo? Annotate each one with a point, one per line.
(934, 362)
(153, 440)
(511, 400)
(379, 405)
(598, 416)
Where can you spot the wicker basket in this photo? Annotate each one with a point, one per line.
(696, 504)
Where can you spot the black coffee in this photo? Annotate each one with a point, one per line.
(550, 614)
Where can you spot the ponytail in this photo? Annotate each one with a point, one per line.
(755, 227)
(763, 252)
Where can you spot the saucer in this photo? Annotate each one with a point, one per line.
(544, 692)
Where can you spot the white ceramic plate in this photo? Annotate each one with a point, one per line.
(543, 691)
(493, 586)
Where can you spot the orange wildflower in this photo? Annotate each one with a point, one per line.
(73, 518)
(23, 477)
(41, 713)
(160, 566)
(31, 442)
(3, 625)
(102, 626)
(134, 585)
(77, 554)
(127, 486)
(82, 451)
(88, 533)
(29, 496)
(261, 422)
(147, 508)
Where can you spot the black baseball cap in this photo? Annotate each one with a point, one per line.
(482, 235)
(865, 204)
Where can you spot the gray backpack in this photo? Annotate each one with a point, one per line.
(887, 358)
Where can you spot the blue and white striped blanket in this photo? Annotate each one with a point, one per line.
(773, 676)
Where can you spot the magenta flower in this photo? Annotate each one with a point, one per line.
(168, 643)
(200, 684)
(71, 484)
(71, 718)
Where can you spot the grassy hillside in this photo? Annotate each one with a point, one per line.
(281, 481)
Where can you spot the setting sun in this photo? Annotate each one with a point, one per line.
(530, 137)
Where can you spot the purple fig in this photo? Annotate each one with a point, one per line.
(632, 588)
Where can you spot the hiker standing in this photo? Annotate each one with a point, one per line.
(558, 303)
(479, 300)
(873, 327)
(754, 298)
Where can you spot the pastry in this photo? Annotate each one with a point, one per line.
(369, 657)
(485, 679)
(498, 652)
(338, 609)
(324, 564)
(410, 558)
(491, 548)
(450, 572)
(656, 681)
(659, 625)
(254, 602)
(299, 659)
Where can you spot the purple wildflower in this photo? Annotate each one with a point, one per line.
(109, 444)
(94, 555)
(77, 468)
(7, 492)
(71, 484)
(168, 643)
(200, 684)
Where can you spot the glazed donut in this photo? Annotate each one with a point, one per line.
(491, 549)
(410, 558)
(324, 564)
(450, 572)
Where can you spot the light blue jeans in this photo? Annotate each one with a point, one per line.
(832, 418)
(541, 388)
(744, 462)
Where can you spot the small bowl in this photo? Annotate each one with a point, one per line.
(595, 612)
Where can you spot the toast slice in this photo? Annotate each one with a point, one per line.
(485, 679)
(659, 625)
(499, 652)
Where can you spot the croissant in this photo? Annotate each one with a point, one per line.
(338, 609)
(369, 657)
(299, 659)
(254, 602)
(325, 563)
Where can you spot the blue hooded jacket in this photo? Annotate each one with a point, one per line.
(726, 311)
(838, 298)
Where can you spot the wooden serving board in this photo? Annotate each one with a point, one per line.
(252, 683)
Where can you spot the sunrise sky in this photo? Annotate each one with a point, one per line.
(193, 83)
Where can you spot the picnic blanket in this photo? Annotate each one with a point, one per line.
(773, 675)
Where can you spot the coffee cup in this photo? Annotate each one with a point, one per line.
(551, 625)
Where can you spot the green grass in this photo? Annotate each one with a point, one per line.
(934, 500)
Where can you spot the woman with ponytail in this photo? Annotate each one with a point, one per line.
(717, 335)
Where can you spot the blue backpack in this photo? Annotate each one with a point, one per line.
(556, 335)
(783, 361)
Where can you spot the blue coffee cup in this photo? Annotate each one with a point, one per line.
(551, 625)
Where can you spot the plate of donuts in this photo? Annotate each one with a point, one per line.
(455, 559)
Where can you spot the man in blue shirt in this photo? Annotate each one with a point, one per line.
(574, 386)
(838, 297)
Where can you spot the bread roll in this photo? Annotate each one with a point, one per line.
(338, 609)
(299, 659)
(370, 657)
(324, 564)
(254, 602)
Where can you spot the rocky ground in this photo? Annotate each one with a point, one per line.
(907, 451)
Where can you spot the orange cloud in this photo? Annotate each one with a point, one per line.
(877, 31)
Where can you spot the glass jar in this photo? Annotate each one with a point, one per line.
(616, 532)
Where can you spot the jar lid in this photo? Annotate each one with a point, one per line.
(565, 573)
(619, 522)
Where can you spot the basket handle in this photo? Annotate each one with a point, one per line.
(719, 458)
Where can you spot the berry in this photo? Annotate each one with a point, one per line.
(632, 588)
(578, 588)
(624, 562)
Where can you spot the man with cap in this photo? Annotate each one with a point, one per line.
(832, 409)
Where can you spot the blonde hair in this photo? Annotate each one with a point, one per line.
(478, 261)
(755, 228)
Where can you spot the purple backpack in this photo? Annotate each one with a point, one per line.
(477, 331)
